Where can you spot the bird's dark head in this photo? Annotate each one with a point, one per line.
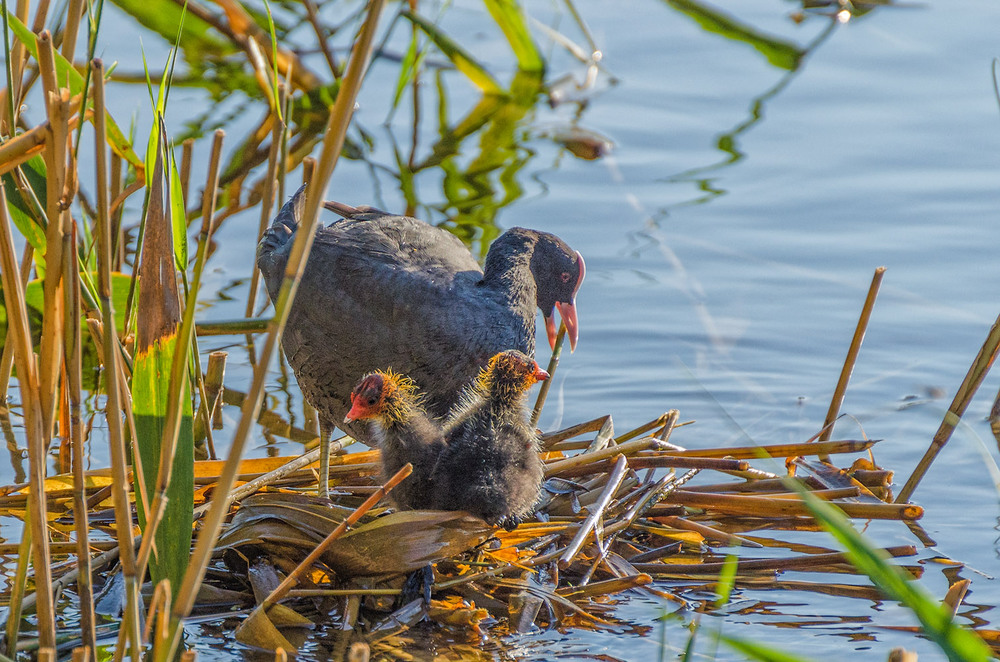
(559, 272)
(385, 396)
(511, 372)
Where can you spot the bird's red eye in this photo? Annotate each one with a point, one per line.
(564, 276)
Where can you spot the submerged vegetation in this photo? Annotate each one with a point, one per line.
(102, 339)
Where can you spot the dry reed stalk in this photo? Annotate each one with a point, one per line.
(852, 357)
(628, 448)
(606, 587)
(742, 565)
(781, 450)
(116, 439)
(117, 233)
(656, 461)
(7, 358)
(61, 548)
(333, 142)
(596, 513)
(210, 407)
(267, 196)
(81, 654)
(18, 333)
(553, 438)
(973, 378)
(551, 369)
(40, 15)
(755, 506)
(74, 372)
(187, 153)
(20, 148)
(827, 494)
(17, 603)
(708, 532)
(73, 14)
(340, 592)
(17, 59)
(306, 564)
(321, 38)
(765, 485)
(56, 149)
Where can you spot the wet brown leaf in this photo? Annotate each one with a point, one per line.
(291, 525)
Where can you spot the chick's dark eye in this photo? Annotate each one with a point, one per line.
(371, 401)
(564, 276)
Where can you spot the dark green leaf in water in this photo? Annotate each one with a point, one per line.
(778, 52)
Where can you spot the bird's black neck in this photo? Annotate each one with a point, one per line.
(507, 273)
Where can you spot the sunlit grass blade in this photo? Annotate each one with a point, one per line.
(510, 17)
(958, 643)
(762, 652)
(459, 57)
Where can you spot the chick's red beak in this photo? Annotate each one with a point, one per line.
(540, 375)
(357, 409)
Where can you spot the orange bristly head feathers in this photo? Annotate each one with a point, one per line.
(510, 372)
(383, 395)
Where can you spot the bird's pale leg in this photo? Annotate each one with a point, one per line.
(325, 432)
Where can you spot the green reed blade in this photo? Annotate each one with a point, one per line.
(459, 57)
(510, 17)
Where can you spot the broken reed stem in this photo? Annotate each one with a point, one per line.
(333, 142)
(7, 359)
(18, 332)
(628, 448)
(758, 506)
(19, 149)
(74, 372)
(606, 587)
(187, 153)
(19, 583)
(267, 197)
(852, 356)
(655, 461)
(781, 450)
(548, 440)
(596, 512)
(707, 532)
(116, 439)
(293, 577)
(57, 136)
(973, 378)
(787, 563)
(551, 369)
(215, 374)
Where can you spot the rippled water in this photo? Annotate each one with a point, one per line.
(730, 238)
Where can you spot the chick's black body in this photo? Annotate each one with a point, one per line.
(490, 465)
(402, 432)
(382, 290)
